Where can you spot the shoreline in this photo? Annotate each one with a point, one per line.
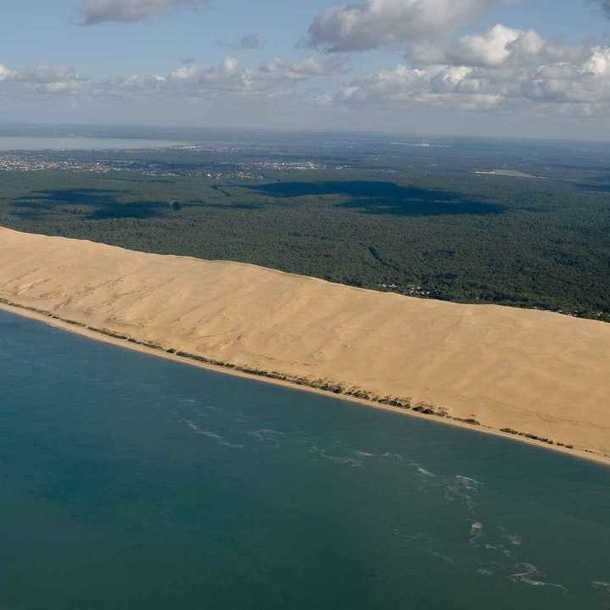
(423, 411)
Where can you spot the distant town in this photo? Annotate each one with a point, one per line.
(37, 161)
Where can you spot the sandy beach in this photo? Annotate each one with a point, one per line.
(534, 376)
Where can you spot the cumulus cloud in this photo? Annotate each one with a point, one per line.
(6, 73)
(41, 79)
(501, 68)
(192, 81)
(492, 71)
(497, 47)
(376, 23)
(94, 12)
(277, 77)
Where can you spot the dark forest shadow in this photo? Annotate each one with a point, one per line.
(93, 204)
(371, 197)
(103, 204)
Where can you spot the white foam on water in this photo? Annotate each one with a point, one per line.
(365, 454)
(205, 410)
(463, 488)
(476, 531)
(442, 557)
(337, 459)
(530, 575)
(267, 436)
(425, 473)
(394, 457)
(485, 572)
(514, 539)
(212, 435)
(600, 584)
(468, 482)
(194, 427)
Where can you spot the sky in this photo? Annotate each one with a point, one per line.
(525, 68)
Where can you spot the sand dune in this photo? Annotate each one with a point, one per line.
(535, 372)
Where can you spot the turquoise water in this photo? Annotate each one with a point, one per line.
(131, 482)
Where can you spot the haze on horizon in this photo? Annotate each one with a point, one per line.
(465, 67)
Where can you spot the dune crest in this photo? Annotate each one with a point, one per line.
(525, 372)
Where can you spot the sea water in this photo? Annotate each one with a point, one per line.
(131, 482)
(25, 143)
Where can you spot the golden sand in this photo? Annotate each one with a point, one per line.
(532, 372)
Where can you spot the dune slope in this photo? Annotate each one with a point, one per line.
(534, 372)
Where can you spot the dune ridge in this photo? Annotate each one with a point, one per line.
(535, 375)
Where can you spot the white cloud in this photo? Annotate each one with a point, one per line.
(376, 23)
(273, 78)
(41, 79)
(277, 77)
(278, 70)
(598, 64)
(6, 74)
(496, 70)
(497, 47)
(128, 11)
(502, 68)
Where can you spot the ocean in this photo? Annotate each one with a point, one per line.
(133, 482)
(9, 143)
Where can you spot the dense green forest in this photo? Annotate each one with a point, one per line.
(418, 227)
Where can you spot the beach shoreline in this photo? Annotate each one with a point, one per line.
(110, 338)
(528, 375)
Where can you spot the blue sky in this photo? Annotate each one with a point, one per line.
(34, 31)
(181, 61)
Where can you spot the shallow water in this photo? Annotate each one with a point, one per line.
(133, 482)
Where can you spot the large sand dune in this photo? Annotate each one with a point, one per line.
(535, 372)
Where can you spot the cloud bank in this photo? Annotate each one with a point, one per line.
(502, 68)
(498, 69)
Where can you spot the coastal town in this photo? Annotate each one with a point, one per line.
(39, 161)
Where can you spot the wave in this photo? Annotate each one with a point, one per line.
(394, 457)
(468, 482)
(485, 572)
(476, 531)
(221, 440)
(365, 454)
(463, 488)
(530, 575)
(337, 459)
(514, 539)
(267, 436)
(424, 472)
